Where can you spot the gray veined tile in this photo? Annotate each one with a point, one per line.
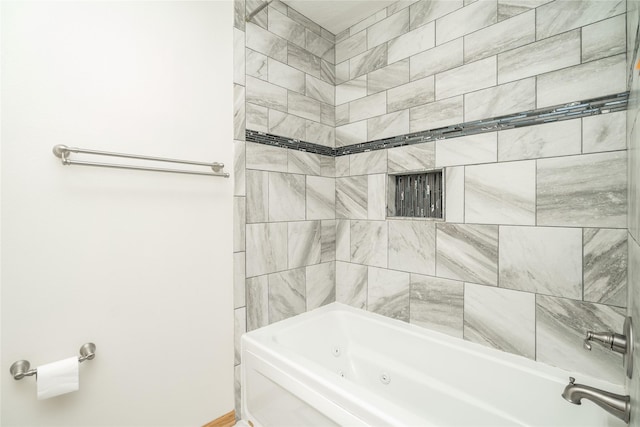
(351, 284)
(368, 162)
(266, 43)
(501, 193)
(343, 240)
(376, 197)
(320, 46)
(343, 35)
(237, 389)
(239, 168)
(565, 197)
(412, 157)
(500, 318)
(368, 61)
(368, 21)
(239, 112)
(545, 140)
(604, 132)
(239, 328)
(441, 58)
(303, 60)
(318, 133)
(399, 5)
(328, 35)
(320, 91)
(350, 47)
(287, 125)
(328, 241)
(259, 18)
(328, 72)
(257, 118)
(351, 90)
(454, 194)
(540, 57)
(304, 163)
(328, 166)
(351, 197)
(239, 277)
(342, 72)
(557, 17)
(350, 134)
(266, 94)
(370, 106)
(560, 328)
(286, 27)
(239, 220)
(467, 252)
(303, 20)
(328, 115)
(388, 293)
(304, 243)
(604, 38)
(369, 243)
(286, 294)
(266, 249)
(283, 75)
(393, 26)
(467, 78)
(510, 8)
(238, 57)
(391, 124)
(605, 266)
(257, 302)
(303, 106)
(286, 197)
(437, 114)
(239, 14)
(265, 157)
(321, 198)
(544, 260)
(500, 37)
(465, 150)
(412, 94)
(466, 20)
(257, 196)
(321, 284)
(437, 304)
(256, 64)
(388, 77)
(413, 42)
(342, 166)
(280, 7)
(423, 12)
(412, 246)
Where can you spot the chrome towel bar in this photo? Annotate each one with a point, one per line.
(63, 152)
(20, 369)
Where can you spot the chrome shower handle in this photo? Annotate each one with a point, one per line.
(615, 342)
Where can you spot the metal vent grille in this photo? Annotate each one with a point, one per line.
(419, 195)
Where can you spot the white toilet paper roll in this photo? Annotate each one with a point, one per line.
(58, 378)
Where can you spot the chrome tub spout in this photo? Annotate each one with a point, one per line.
(615, 404)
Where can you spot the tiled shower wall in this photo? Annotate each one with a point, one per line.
(533, 249)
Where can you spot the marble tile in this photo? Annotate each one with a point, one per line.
(303, 20)
(303, 60)
(265, 157)
(501, 100)
(388, 77)
(319, 46)
(376, 197)
(266, 248)
(261, 17)
(388, 293)
(257, 196)
(506, 35)
(303, 106)
(239, 112)
(437, 114)
(467, 78)
(479, 148)
(557, 17)
(589, 80)
(545, 140)
(437, 304)
(328, 115)
(238, 57)
(239, 14)
(391, 124)
(412, 94)
(343, 35)
(413, 42)
(257, 302)
(266, 94)
(412, 157)
(351, 197)
(286, 28)
(546, 55)
(328, 72)
(239, 277)
(500, 318)
(454, 194)
(318, 133)
(544, 260)
(239, 168)
(367, 107)
(286, 294)
(286, 197)
(387, 29)
(604, 38)
(239, 220)
(257, 118)
(510, 8)
(328, 241)
(342, 72)
(328, 35)
(266, 43)
(237, 388)
(604, 132)
(423, 12)
(321, 197)
(342, 166)
(328, 166)
(321, 284)
(501, 193)
(304, 163)
(368, 61)
(350, 47)
(412, 246)
(256, 64)
(283, 75)
(351, 90)
(368, 162)
(320, 91)
(239, 328)
(287, 125)
(441, 58)
(605, 266)
(369, 243)
(467, 252)
(560, 328)
(564, 197)
(304, 244)
(280, 7)
(368, 21)
(343, 240)
(466, 20)
(351, 284)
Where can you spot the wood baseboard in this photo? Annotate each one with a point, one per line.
(227, 420)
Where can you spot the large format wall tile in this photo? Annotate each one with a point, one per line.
(376, 196)
(546, 140)
(437, 60)
(544, 260)
(351, 90)
(467, 252)
(304, 244)
(510, 8)
(239, 220)
(266, 248)
(559, 16)
(257, 302)
(388, 125)
(257, 118)
(369, 243)
(437, 304)
(239, 169)
(605, 266)
(388, 77)
(286, 294)
(466, 150)
(351, 134)
(328, 240)
(303, 106)
(410, 95)
(266, 43)
(321, 198)
(266, 94)
(368, 61)
(454, 194)
(412, 246)
(565, 197)
(388, 28)
(239, 112)
(239, 277)
(351, 284)
(257, 196)
(304, 163)
(239, 328)
(466, 20)
(370, 106)
(321, 284)
(604, 38)
(319, 90)
(500, 37)
(256, 64)
(413, 42)
(351, 197)
(287, 125)
(423, 12)
(388, 293)
(437, 114)
(354, 45)
(264, 157)
(500, 100)
(283, 75)
(320, 47)
(317, 133)
(467, 78)
(343, 240)
(368, 162)
(286, 197)
(412, 157)
(604, 132)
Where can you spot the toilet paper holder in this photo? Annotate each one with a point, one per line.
(20, 369)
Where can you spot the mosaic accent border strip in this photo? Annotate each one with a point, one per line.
(572, 110)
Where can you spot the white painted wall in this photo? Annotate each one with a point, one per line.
(139, 263)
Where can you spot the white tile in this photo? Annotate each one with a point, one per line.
(467, 78)
(351, 90)
(604, 38)
(321, 198)
(266, 94)
(285, 76)
(441, 58)
(388, 28)
(409, 95)
(256, 64)
(376, 197)
(369, 242)
(415, 157)
(304, 243)
(348, 48)
(560, 16)
(368, 162)
(286, 197)
(466, 20)
(422, 12)
(545, 140)
(389, 293)
(604, 132)
(351, 284)
(391, 124)
(454, 194)
(351, 134)
(319, 90)
(321, 285)
(303, 106)
(437, 114)
(370, 106)
(265, 157)
(287, 125)
(388, 77)
(480, 148)
(266, 248)
(411, 43)
(412, 246)
(266, 43)
(500, 100)
(506, 35)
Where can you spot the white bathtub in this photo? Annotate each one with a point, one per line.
(338, 365)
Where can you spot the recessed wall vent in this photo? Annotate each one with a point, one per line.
(416, 195)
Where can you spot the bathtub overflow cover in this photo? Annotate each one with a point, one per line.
(335, 351)
(385, 378)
